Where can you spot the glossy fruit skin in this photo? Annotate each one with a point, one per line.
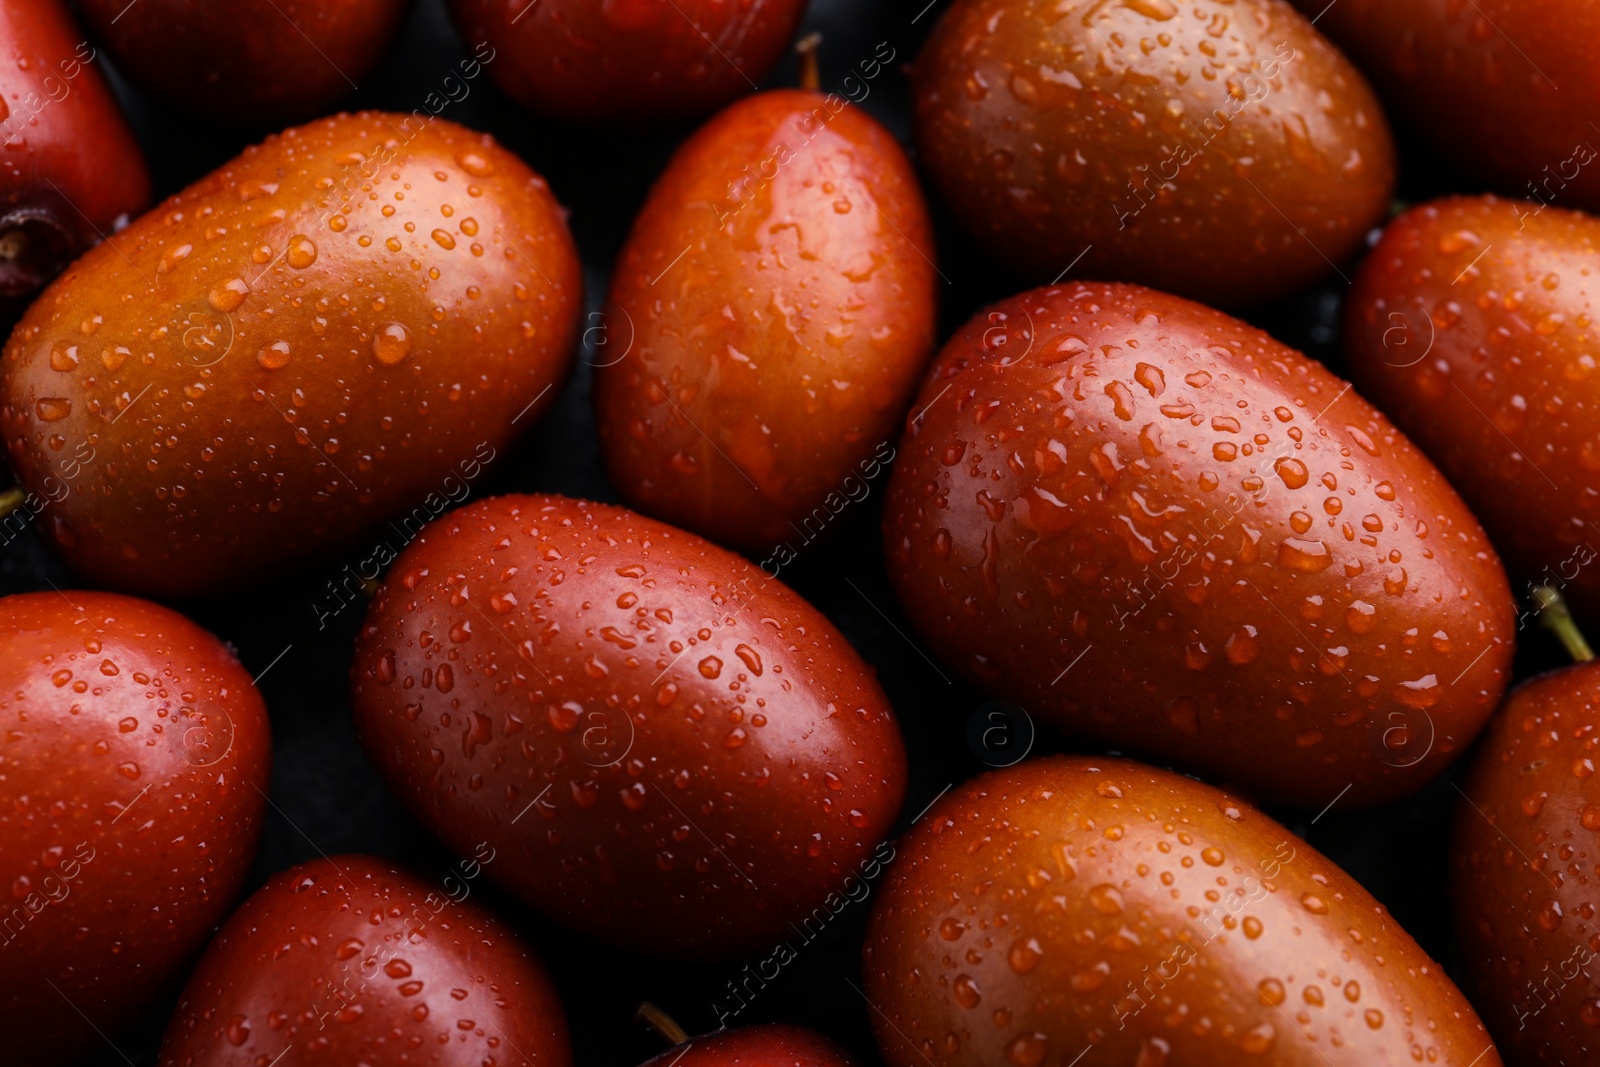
(767, 1045)
(72, 170)
(248, 61)
(1154, 526)
(363, 962)
(1522, 870)
(1051, 142)
(129, 810)
(345, 387)
(777, 299)
(633, 62)
(1072, 903)
(669, 751)
(1504, 91)
(1465, 325)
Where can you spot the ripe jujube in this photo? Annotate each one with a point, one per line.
(777, 299)
(132, 781)
(1153, 525)
(347, 318)
(669, 751)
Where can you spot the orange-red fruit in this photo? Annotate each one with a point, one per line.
(776, 301)
(768, 1045)
(1504, 90)
(1159, 528)
(1101, 909)
(344, 322)
(132, 778)
(1470, 324)
(248, 61)
(668, 751)
(72, 169)
(628, 60)
(351, 960)
(1218, 149)
(1522, 861)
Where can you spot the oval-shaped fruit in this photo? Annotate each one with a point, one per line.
(767, 1045)
(636, 61)
(777, 303)
(73, 171)
(350, 960)
(1505, 91)
(1469, 325)
(1522, 870)
(669, 751)
(1159, 528)
(1071, 906)
(250, 61)
(1222, 150)
(132, 780)
(345, 322)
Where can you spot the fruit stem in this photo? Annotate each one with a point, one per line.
(810, 73)
(1554, 616)
(370, 586)
(12, 499)
(661, 1023)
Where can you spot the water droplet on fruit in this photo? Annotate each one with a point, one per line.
(53, 408)
(274, 356)
(392, 344)
(302, 251)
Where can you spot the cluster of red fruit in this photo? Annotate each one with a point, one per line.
(1147, 522)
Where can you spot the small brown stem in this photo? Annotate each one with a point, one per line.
(1554, 616)
(810, 73)
(661, 1023)
(12, 499)
(370, 587)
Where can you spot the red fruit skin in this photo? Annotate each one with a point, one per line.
(224, 434)
(774, 341)
(361, 962)
(72, 168)
(1219, 149)
(1465, 325)
(768, 1045)
(1070, 904)
(634, 61)
(1155, 526)
(130, 809)
(1522, 875)
(248, 61)
(669, 751)
(1504, 90)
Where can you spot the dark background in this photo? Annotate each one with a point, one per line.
(328, 798)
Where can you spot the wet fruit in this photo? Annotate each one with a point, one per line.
(1219, 150)
(668, 751)
(1504, 91)
(252, 61)
(350, 960)
(1522, 870)
(776, 300)
(73, 172)
(769, 1045)
(588, 61)
(1469, 324)
(1074, 906)
(1158, 528)
(132, 772)
(343, 323)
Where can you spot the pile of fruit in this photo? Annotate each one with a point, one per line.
(863, 593)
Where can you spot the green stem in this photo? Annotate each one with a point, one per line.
(12, 499)
(1554, 616)
(661, 1023)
